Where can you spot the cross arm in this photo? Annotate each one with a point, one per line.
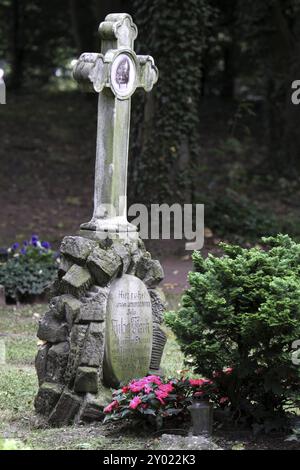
(89, 71)
(93, 71)
(147, 73)
(120, 27)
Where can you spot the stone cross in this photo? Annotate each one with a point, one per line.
(114, 74)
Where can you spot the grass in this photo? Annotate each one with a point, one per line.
(19, 426)
(172, 360)
(18, 386)
(20, 351)
(20, 320)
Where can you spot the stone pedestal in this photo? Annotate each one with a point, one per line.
(105, 312)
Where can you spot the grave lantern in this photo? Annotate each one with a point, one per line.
(202, 418)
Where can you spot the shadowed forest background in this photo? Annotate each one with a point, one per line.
(218, 129)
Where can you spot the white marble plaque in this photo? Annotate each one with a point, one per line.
(128, 342)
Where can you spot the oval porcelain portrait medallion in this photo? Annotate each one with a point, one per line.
(123, 76)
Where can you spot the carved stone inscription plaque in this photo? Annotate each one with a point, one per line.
(128, 343)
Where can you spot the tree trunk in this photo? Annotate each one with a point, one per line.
(17, 46)
(290, 144)
(281, 54)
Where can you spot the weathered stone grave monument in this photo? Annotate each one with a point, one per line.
(103, 323)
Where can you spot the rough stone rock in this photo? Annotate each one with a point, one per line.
(86, 380)
(138, 251)
(158, 306)
(93, 405)
(41, 361)
(56, 306)
(47, 397)
(93, 306)
(77, 280)
(65, 308)
(50, 329)
(76, 346)
(104, 265)
(176, 442)
(123, 251)
(105, 243)
(64, 265)
(72, 309)
(150, 271)
(158, 343)
(65, 409)
(77, 248)
(57, 361)
(93, 347)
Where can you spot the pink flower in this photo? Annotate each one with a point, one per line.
(155, 379)
(224, 400)
(125, 389)
(197, 382)
(207, 382)
(136, 386)
(228, 371)
(111, 407)
(167, 388)
(160, 395)
(135, 403)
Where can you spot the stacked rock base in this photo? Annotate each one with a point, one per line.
(69, 362)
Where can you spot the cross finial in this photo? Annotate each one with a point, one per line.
(115, 73)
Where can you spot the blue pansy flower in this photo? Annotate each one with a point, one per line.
(34, 239)
(15, 246)
(45, 245)
(23, 251)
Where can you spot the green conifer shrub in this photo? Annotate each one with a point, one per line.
(237, 324)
